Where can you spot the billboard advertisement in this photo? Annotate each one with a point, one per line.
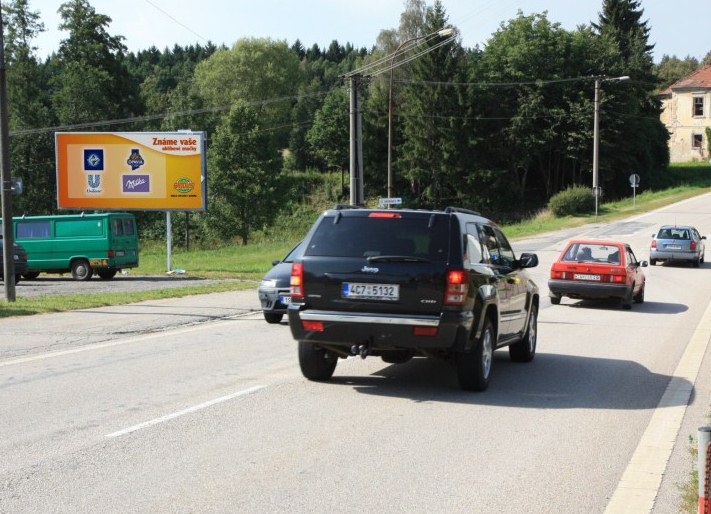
(159, 171)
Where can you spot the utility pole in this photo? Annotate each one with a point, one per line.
(596, 135)
(6, 179)
(356, 147)
(596, 144)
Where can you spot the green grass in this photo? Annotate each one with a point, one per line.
(645, 202)
(60, 303)
(241, 262)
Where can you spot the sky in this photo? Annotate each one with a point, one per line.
(678, 28)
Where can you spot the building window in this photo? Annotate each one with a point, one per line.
(696, 141)
(698, 106)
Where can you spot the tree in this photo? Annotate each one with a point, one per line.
(672, 69)
(94, 83)
(632, 137)
(261, 72)
(431, 156)
(243, 171)
(536, 113)
(31, 149)
(329, 136)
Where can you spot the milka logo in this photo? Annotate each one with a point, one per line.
(366, 269)
(136, 183)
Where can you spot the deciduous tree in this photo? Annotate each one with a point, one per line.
(31, 147)
(242, 173)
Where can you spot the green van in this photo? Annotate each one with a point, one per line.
(78, 243)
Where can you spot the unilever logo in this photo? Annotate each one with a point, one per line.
(136, 183)
(94, 183)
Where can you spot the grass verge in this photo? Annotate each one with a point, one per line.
(60, 303)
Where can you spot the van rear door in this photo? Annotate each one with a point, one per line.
(123, 241)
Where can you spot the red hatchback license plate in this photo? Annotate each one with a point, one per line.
(582, 276)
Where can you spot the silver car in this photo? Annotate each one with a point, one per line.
(677, 243)
(274, 288)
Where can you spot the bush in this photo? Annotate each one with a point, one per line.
(572, 201)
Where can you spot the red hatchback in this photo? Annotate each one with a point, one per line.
(595, 269)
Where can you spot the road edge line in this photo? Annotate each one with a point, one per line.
(639, 485)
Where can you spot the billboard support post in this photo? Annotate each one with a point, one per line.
(168, 240)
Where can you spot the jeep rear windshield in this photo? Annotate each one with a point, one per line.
(418, 235)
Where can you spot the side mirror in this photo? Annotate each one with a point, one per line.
(643, 264)
(703, 237)
(528, 260)
(275, 262)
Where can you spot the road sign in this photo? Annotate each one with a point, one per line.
(17, 185)
(634, 180)
(389, 201)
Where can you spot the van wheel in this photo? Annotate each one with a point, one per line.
(107, 274)
(316, 363)
(30, 275)
(474, 368)
(81, 270)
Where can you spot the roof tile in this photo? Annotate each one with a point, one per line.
(701, 78)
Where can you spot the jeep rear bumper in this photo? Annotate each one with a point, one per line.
(381, 332)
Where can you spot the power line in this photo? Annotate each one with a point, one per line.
(152, 117)
(176, 21)
(387, 62)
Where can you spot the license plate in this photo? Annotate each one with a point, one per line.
(673, 247)
(390, 292)
(580, 276)
(286, 300)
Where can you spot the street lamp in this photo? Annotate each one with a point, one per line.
(596, 133)
(447, 31)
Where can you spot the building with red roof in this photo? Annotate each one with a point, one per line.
(687, 115)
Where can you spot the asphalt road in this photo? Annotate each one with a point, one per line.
(197, 405)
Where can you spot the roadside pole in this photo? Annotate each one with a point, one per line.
(8, 249)
(704, 467)
(356, 141)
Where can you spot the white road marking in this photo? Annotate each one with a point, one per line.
(637, 489)
(109, 344)
(183, 412)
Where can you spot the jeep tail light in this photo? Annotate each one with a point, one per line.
(425, 331)
(692, 246)
(457, 287)
(297, 280)
(313, 326)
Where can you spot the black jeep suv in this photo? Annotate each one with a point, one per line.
(400, 283)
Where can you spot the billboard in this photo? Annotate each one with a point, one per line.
(145, 171)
